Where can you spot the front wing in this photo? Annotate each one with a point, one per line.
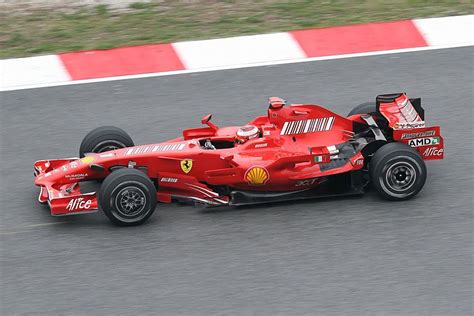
(64, 199)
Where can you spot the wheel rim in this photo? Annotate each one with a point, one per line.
(130, 201)
(399, 176)
(107, 145)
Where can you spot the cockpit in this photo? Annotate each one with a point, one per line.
(242, 135)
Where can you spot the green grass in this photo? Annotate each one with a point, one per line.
(54, 31)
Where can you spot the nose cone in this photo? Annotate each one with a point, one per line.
(69, 172)
(40, 181)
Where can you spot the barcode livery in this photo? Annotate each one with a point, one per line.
(307, 126)
(145, 149)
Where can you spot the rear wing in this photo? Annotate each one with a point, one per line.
(400, 111)
(407, 119)
(427, 141)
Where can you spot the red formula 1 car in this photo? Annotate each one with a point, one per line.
(294, 152)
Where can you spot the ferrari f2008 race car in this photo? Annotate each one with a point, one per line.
(294, 152)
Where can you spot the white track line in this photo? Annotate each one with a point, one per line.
(250, 65)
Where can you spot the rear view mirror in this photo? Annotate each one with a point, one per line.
(206, 119)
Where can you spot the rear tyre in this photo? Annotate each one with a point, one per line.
(364, 108)
(397, 172)
(104, 139)
(127, 197)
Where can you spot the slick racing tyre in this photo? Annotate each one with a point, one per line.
(397, 171)
(127, 197)
(103, 139)
(364, 108)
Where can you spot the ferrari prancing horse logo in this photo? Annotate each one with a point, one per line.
(186, 165)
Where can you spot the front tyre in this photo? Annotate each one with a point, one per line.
(127, 197)
(397, 172)
(104, 139)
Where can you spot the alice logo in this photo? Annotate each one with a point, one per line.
(257, 175)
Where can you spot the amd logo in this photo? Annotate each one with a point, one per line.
(427, 141)
(78, 204)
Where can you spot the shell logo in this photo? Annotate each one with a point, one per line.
(257, 175)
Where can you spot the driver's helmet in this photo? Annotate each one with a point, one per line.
(247, 132)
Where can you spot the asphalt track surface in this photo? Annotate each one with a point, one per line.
(332, 256)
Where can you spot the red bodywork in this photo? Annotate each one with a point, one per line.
(409, 128)
(294, 144)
